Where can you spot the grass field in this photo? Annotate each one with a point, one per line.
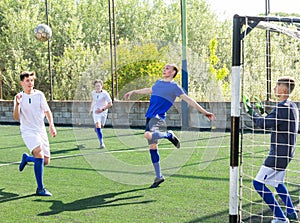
(112, 185)
(83, 192)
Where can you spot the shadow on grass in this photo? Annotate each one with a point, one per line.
(98, 201)
(6, 197)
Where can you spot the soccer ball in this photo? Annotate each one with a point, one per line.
(42, 32)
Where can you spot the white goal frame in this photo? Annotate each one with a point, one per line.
(239, 23)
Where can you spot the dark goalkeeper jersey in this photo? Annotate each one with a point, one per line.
(162, 98)
(283, 120)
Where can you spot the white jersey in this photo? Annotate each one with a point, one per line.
(100, 100)
(32, 111)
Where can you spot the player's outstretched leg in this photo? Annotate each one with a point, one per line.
(25, 159)
(173, 139)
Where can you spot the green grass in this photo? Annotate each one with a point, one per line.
(112, 185)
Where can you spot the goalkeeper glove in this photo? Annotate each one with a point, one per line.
(259, 106)
(247, 105)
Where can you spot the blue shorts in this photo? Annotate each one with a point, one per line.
(153, 125)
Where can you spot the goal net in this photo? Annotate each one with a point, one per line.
(264, 49)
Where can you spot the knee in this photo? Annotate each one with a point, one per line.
(98, 125)
(37, 152)
(46, 161)
(153, 146)
(148, 135)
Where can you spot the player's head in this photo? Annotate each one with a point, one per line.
(98, 84)
(173, 67)
(27, 74)
(287, 83)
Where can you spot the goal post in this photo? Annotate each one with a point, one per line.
(242, 26)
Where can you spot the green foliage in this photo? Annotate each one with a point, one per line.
(218, 71)
(139, 70)
(148, 34)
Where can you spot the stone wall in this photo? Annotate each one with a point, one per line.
(125, 114)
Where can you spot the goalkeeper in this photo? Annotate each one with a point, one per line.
(163, 94)
(283, 120)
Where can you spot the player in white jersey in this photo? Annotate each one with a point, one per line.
(101, 102)
(30, 108)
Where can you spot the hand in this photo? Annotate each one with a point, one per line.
(259, 105)
(210, 116)
(52, 130)
(128, 94)
(18, 98)
(99, 110)
(247, 105)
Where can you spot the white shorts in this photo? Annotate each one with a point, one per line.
(267, 175)
(33, 139)
(100, 118)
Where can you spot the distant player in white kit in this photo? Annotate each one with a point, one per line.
(30, 108)
(101, 102)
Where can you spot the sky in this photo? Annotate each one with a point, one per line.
(227, 8)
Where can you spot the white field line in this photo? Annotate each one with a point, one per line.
(109, 152)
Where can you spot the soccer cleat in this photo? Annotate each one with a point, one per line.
(173, 139)
(102, 146)
(157, 181)
(23, 162)
(291, 216)
(276, 220)
(43, 192)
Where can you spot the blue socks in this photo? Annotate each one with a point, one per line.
(284, 195)
(30, 159)
(155, 160)
(269, 198)
(99, 134)
(38, 171)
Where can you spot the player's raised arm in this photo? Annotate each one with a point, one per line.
(194, 104)
(140, 91)
(16, 112)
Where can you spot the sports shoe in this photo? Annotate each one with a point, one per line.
(43, 192)
(173, 139)
(157, 181)
(23, 162)
(102, 146)
(276, 220)
(291, 216)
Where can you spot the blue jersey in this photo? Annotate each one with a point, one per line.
(283, 120)
(162, 98)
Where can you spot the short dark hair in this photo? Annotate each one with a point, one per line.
(98, 81)
(289, 82)
(175, 68)
(26, 74)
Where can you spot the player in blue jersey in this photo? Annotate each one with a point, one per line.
(101, 102)
(283, 121)
(30, 108)
(163, 94)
